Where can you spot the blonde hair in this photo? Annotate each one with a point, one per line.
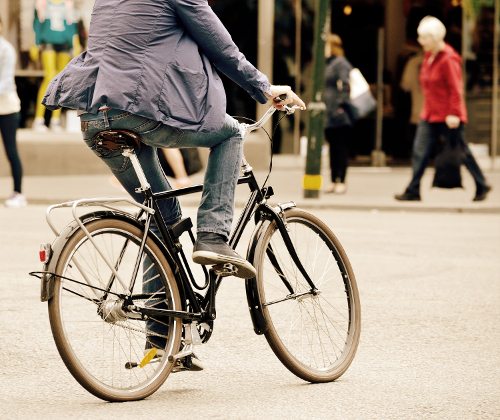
(433, 27)
(334, 45)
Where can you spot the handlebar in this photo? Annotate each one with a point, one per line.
(248, 128)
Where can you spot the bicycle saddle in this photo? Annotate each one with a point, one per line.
(118, 139)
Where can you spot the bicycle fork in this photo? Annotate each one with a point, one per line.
(276, 215)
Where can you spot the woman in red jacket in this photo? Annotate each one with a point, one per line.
(444, 113)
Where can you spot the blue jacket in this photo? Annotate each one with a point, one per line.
(157, 59)
(336, 92)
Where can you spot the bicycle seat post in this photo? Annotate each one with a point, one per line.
(129, 152)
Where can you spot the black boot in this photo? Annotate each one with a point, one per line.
(481, 193)
(407, 196)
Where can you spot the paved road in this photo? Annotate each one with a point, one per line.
(430, 291)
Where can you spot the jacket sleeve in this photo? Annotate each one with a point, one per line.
(214, 40)
(343, 75)
(452, 76)
(7, 69)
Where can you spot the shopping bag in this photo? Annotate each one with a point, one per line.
(447, 163)
(362, 102)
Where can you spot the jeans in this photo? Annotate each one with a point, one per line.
(215, 213)
(8, 129)
(426, 138)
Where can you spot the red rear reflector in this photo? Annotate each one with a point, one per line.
(44, 253)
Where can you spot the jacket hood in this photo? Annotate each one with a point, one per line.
(451, 53)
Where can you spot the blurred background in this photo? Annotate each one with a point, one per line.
(379, 36)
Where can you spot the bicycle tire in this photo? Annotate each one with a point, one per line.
(314, 336)
(102, 348)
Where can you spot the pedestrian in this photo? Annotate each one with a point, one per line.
(10, 105)
(338, 127)
(174, 162)
(410, 83)
(56, 38)
(444, 114)
(161, 80)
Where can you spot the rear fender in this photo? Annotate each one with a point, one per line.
(47, 280)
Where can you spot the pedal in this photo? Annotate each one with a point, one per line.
(225, 270)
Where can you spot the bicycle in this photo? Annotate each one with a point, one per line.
(125, 307)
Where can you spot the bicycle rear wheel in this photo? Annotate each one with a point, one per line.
(314, 335)
(110, 353)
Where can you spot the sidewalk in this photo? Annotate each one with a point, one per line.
(368, 189)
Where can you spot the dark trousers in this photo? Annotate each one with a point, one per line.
(8, 129)
(338, 138)
(426, 137)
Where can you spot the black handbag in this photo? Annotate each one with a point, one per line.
(191, 158)
(448, 161)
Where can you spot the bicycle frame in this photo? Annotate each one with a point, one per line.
(202, 308)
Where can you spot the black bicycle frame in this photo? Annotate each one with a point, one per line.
(204, 310)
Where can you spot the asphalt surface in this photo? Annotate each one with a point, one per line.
(429, 283)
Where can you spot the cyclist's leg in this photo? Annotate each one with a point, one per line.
(124, 172)
(121, 166)
(216, 210)
(215, 213)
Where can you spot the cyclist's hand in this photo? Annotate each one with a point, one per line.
(279, 101)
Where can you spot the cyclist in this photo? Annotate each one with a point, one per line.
(151, 67)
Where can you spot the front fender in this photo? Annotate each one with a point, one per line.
(259, 323)
(266, 216)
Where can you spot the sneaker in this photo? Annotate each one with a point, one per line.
(340, 188)
(16, 200)
(191, 362)
(482, 193)
(212, 249)
(330, 189)
(55, 125)
(406, 196)
(39, 125)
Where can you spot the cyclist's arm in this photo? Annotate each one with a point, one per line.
(216, 43)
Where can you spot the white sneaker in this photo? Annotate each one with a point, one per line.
(330, 189)
(16, 200)
(340, 188)
(55, 125)
(39, 125)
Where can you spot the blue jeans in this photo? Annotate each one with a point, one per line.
(426, 138)
(215, 213)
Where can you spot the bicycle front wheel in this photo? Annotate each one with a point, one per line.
(107, 347)
(315, 335)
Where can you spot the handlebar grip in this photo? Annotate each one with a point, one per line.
(280, 98)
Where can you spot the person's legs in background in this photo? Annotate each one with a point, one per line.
(425, 138)
(176, 163)
(8, 131)
(54, 59)
(482, 187)
(338, 139)
(49, 65)
(63, 57)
